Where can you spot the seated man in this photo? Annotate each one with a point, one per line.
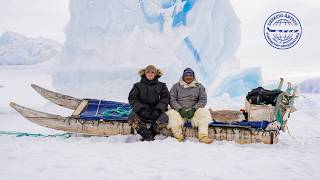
(149, 99)
(187, 100)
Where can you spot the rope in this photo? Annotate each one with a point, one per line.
(23, 134)
(281, 107)
(290, 90)
(279, 116)
(117, 112)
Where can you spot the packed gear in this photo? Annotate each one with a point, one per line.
(261, 96)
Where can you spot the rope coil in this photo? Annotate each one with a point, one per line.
(24, 134)
(117, 112)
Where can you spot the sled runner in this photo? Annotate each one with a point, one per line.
(107, 118)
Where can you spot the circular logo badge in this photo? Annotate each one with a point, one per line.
(282, 30)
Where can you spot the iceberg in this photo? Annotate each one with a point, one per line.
(107, 41)
(310, 86)
(238, 83)
(17, 49)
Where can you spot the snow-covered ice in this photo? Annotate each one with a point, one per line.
(16, 49)
(108, 41)
(310, 85)
(237, 83)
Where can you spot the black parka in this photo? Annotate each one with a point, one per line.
(150, 95)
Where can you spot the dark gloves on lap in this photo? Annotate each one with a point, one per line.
(155, 114)
(144, 113)
(150, 115)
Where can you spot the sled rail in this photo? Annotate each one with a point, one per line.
(239, 134)
(57, 98)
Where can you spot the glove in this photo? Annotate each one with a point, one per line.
(155, 114)
(187, 113)
(144, 113)
(190, 113)
(183, 112)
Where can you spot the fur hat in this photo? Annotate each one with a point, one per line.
(151, 68)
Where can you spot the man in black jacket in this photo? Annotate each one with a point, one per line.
(149, 99)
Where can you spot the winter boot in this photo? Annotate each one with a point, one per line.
(141, 129)
(157, 127)
(145, 133)
(177, 133)
(179, 137)
(154, 129)
(204, 138)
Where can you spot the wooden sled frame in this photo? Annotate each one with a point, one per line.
(239, 134)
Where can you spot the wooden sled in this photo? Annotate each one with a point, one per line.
(75, 124)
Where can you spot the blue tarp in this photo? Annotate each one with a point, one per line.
(96, 108)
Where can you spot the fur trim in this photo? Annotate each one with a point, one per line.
(175, 120)
(201, 119)
(142, 72)
(273, 126)
(194, 83)
(177, 133)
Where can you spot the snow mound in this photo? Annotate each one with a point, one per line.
(310, 86)
(16, 49)
(108, 41)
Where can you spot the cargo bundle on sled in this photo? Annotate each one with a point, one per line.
(259, 122)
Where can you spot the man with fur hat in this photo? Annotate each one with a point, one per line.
(187, 100)
(149, 99)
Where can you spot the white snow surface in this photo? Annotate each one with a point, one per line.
(17, 49)
(125, 157)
